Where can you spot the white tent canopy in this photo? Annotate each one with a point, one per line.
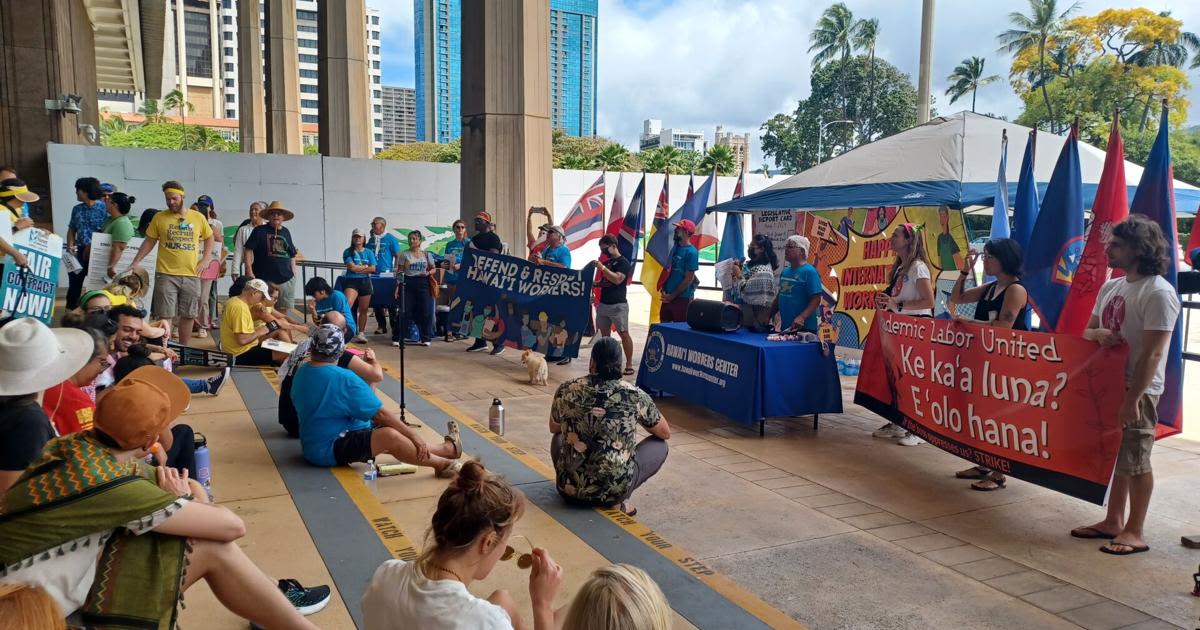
(950, 160)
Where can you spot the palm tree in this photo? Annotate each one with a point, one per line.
(152, 111)
(866, 34)
(613, 157)
(111, 123)
(721, 158)
(833, 35)
(666, 159)
(968, 77)
(1035, 30)
(576, 162)
(174, 100)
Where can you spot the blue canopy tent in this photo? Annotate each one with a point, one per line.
(950, 161)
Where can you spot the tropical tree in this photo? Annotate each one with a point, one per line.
(112, 123)
(152, 111)
(1034, 32)
(576, 162)
(721, 158)
(174, 100)
(834, 35)
(666, 159)
(169, 136)
(423, 152)
(968, 77)
(613, 157)
(865, 38)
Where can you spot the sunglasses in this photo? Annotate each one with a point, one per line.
(524, 560)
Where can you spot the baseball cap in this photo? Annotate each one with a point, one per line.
(485, 216)
(138, 408)
(107, 188)
(796, 240)
(260, 285)
(328, 343)
(558, 229)
(205, 200)
(688, 225)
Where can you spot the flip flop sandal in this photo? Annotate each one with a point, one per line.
(1090, 533)
(996, 485)
(1131, 549)
(971, 473)
(628, 371)
(454, 437)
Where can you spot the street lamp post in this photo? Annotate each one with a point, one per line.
(821, 134)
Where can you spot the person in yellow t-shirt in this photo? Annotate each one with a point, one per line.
(180, 233)
(241, 334)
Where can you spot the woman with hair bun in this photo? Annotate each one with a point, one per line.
(471, 527)
(619, 597)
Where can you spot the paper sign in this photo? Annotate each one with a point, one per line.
(30, 292)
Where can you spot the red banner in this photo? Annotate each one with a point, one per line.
(1040, 407)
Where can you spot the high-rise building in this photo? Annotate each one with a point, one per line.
(654, 136)
(208, 77)
(399, 115)
(438, 71)
(739, 144)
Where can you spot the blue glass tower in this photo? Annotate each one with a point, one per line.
(438, 60)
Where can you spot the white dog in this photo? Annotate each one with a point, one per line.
(536, 364)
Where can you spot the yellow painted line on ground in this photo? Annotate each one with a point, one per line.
(732, 591)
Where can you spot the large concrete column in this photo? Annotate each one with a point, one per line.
(506, 162)
(252, 113)
(46, 51)
(344, 113)
(925, 76)
(283, 78)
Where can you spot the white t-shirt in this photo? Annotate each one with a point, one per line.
(1130, 308)
(906, 288)
(400, 597)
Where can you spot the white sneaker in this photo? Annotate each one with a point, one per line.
(910, 440)
(890, 430)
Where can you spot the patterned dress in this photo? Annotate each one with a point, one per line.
(599, 426)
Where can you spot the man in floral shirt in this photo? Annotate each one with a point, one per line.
(594, 419)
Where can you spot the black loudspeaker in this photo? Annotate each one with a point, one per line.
(713, 316)
(1189, 282)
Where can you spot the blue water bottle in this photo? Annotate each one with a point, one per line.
(841, 365)
(203, 464)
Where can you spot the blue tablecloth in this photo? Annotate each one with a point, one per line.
(383, 290)
(740, 374)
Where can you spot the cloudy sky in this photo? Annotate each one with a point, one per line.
(696, 64)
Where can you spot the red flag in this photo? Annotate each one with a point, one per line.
(1194, 239)
(706, 227)
(691, 181)
(1110, 207)
(616, 216)
(737, 188)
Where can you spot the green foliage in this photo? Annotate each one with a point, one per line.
(576, 162)
(1185, 151)
(312, 149)
(833, 37)
(170, 136)
(613, 157)
(968, 77)
(792, 140)
(721, 158)
(423, 152)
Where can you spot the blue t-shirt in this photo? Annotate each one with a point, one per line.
(330, 401)
(797, 285)
(384, 248)
(336, 301)
(454, 248)
(365, 257)
(560, 255)
(684, 258)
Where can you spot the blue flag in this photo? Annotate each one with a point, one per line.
(1155, 198)
(663, 240)
(1025, 210)
(1056, 246)
(1000, 204)
(733, 242)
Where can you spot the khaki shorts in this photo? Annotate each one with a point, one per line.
(287, 295)
(609, 316)
(1137, 440)
(175, 296)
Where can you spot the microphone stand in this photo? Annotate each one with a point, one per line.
(402, 321)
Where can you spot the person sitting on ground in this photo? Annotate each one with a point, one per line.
(67, 405)
(471, 529)
(337, 410)
(241, 336)
(597, 458)
(33, 358)
(327, 299)
(127, 325)
(88, 501)
(178, 440)
(133, 286)
(366, 367)
(1003, 303)
(619, 597)
(756, 288)
(25, 606)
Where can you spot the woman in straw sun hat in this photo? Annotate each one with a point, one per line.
(33, 358)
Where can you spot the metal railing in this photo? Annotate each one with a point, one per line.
(1189, 352)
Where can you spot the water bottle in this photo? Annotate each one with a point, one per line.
(854, 365)
(841, 365)
(371, 473)
(203, 464)
(496, 417)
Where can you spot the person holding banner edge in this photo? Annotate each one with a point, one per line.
(15, 195)
(1140, 310)
(486, 239)
(118, 227)
(910, 292)
(1001, 303)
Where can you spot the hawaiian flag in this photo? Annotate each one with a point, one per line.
(733, 240)
(1155, 198)
(632, 226)
(585, 221)
(1056, 246)
(616, 215)
(1110, 208)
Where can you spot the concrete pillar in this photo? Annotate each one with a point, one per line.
(218, 89)
(344, 114)
(283, 79)
(180, 53)
(46, 51)
(506, 163)
(925, 78)
(252, 113)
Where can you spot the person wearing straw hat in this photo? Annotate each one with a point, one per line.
(144, 525)
(33, 358)
(180, 233)
(270, 253)
(15, 195)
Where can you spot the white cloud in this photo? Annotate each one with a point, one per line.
(396, 22)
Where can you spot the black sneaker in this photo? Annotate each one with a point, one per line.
(479, 344)
(496, 350)
(564, 361)
(306, 600)
(217, 382)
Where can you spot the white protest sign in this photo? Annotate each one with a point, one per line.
(97, 277)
